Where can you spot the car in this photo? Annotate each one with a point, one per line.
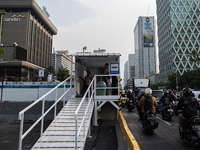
(197, 95)
(157, 94)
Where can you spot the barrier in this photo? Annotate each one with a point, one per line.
(126, 139)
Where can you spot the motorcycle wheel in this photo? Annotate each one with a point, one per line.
(150, 131)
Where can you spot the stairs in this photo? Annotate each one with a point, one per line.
(60, 135)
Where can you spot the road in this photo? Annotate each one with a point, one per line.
(165, 137)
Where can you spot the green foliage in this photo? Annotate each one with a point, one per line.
(48, 70)
(194, 56)
(155, 86)
(34, 75)
(2, 50)
(62, 73)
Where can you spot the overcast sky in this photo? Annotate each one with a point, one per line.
(105, 24)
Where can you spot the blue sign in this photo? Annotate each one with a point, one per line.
(114, 68)
(45, 11)
(148, 26)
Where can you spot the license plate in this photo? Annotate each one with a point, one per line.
(195, 128)
(150, 118)
(171, 110)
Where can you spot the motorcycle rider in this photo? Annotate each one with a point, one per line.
(165, 100)
(147, 101)
(130, 96)
(189, 105)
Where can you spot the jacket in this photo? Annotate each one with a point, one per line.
(142, 100)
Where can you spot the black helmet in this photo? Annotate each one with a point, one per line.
(174, 91)
(166, 92)
(186, 91)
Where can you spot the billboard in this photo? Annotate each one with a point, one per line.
(148, 32)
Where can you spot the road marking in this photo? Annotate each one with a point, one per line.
(164, 121)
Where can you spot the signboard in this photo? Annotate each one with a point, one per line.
(114, 68)
(2, 12)
(41, 73)
(148, 32)
(45, 11)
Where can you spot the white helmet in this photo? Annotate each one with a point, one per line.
(148, 91)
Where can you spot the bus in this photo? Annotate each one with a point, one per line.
(140, 83)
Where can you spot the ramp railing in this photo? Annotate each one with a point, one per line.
(43, 114)
(85, 113)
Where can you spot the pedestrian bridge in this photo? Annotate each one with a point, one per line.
(71, 126)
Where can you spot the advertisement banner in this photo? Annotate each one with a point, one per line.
(148, 32)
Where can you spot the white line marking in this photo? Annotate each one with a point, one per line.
(164, 121)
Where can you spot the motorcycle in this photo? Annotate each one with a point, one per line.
(130, 106)
(168, 112)
(191, 131)
(149, 123)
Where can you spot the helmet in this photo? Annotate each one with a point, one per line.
(186, 91)
(123, 92)
(148, 91)
(129, 91)
(166, 92)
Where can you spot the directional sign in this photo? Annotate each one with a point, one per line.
(41, 73)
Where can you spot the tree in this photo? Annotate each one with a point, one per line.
(2, 50)
(194, 56)
(48, 70)
(62, 73)
(34, 75)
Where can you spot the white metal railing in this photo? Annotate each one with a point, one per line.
(43, 114)
(85, 111)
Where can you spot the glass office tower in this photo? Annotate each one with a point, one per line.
(178, 35)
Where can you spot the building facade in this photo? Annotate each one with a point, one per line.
(178, 35)
(27, 25)
(144, 47)
(126, 72)
(131, 59)
(60, 58)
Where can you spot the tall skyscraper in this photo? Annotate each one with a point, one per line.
(144, 42)
(126, 72)
(131, 59)
(178, 35)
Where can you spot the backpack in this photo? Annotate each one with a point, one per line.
(166, 101)
(148, 103)
(190, 107)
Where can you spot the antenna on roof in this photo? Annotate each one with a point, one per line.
(148, 10)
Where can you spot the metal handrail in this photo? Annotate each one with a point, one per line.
(85, 112)
(21, 113)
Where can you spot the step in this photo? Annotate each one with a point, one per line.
(63, 144)
(61, 138)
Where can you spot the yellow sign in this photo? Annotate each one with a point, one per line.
(2, 12)
(18, 16)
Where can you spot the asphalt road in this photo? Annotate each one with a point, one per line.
(165, 137)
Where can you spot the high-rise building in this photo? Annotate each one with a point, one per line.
(178, 35)
(131, 59)
(29, 28)
(145, 51)
(60, 58)
(126, 72)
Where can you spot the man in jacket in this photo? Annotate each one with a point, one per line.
(189, 105)
(144, 103)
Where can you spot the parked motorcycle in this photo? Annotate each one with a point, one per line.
(168, 112)
(149, 123)
(191, 131)
(130, 105)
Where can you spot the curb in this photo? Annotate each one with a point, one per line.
(126, 140)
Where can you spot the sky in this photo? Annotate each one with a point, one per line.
(105, 24)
